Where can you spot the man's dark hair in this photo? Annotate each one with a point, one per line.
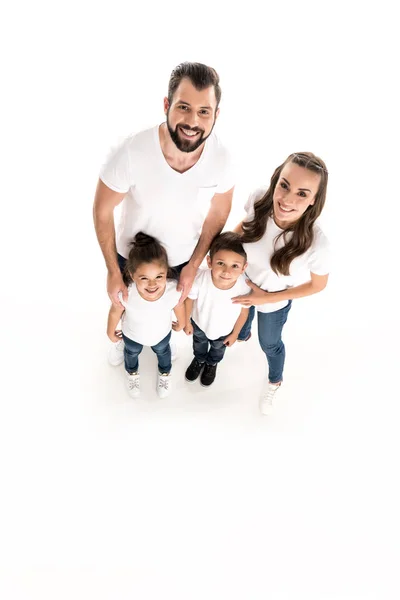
(200, 75)
(229, 240)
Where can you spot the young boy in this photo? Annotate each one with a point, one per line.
(216, 321)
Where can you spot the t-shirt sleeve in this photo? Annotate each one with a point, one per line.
(319, 260)
(116, 172)
(242, 289)
(174, 295)
(227, 177)
(194, 291)
(252, 199)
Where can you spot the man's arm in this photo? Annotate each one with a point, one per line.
(213, 224)
(103, 215)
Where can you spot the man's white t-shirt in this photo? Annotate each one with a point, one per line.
(213, 309)
(147, 322)
(314, 260)
(161, 202)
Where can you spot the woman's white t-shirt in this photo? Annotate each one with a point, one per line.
(314, 260)
(213, 309)
(147, 322)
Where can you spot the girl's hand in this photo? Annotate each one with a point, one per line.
(230, 340)
(115, 284)
(176, 326)
(256, 297)
(188, 329)
(116, 336)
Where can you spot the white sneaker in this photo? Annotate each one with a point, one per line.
(174, 349)
(133, 384)
(116, 353)
(267, 397)
(164, 384)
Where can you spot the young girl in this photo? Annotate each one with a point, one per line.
(287, 254)
(146, 316)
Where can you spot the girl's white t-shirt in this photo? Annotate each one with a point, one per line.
(163, 203)
(314, 260)
(148, 322)
(213, 309)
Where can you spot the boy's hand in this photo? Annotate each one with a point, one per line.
(230, 339)
(116, 336)
(188, 329)
(176, 326)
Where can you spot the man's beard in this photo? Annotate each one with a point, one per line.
(187, 145)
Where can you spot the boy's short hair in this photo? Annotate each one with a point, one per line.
(229, 240)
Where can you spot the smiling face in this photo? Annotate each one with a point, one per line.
(226, 266)
(295, 191)
(150, 280)
(191, 115)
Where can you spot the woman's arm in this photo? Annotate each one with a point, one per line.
(259, 296)
(317, 284)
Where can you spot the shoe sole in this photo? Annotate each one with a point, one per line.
(191, 380)
(206, 384)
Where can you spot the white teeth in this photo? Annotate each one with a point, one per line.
(189, 133)
(285, 209)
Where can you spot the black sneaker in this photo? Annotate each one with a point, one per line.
(193, 370)
(208, 375)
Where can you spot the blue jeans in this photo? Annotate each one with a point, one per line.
(270, 327)
(133, 349)
(122, 263)
(201, 351)
(245, 331)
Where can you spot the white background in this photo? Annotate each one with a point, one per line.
(198, 496)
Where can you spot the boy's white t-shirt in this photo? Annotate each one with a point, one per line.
(148, 322)
(213, 309)
(161, 202)
(314, 260)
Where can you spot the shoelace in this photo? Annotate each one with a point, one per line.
(163, 382)
(134, 383)
(270, 393)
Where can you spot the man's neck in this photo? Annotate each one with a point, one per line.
(177, 160)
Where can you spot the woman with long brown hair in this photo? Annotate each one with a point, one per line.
(287, 255)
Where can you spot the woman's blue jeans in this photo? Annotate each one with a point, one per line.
(270, 327)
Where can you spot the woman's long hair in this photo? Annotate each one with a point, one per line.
(302, 230)
(146, 249)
